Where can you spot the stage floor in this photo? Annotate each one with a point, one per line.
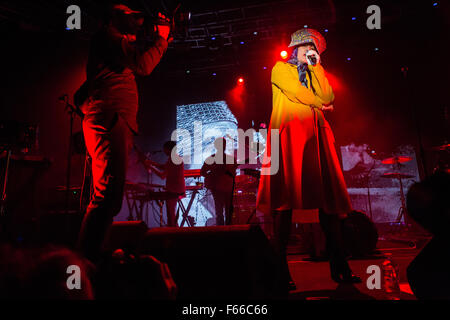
(313, 280)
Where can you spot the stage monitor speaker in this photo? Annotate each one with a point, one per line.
(360, 234)
(125, 235)
(220, 262)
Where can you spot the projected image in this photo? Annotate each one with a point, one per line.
(373, 181)
(204, 122)
(198, 126)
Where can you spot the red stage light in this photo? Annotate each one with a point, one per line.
(284, 54)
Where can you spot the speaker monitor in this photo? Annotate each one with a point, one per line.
(217, 262)
(125, 235)
(360, 234)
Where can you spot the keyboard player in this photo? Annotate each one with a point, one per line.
(173, 172)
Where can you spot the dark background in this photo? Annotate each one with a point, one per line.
(375, 103)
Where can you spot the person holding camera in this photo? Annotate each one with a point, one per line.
(309, 175)
(110, 106)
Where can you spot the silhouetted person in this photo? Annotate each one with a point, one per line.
(219, 171)
(110, 109)
(428, 204)
(135, 277)
(173, 172)
(50, 277)
(42, 274)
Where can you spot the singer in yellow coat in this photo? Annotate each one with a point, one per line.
(309, 174)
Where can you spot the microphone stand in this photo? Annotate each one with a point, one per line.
(72, 111)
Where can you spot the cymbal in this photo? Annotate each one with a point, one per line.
(396, 160)
(443, 147)
(396, 175)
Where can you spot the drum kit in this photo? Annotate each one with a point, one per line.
(396, 163)
(443, 165)
(246, 186)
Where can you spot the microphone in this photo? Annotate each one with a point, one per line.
(312, 57)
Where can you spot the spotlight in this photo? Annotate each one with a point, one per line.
(326, 30)
(348, 59)
(255, 33)
(242, 42)
(240, 80)
(284, 54)
(214, 74)
(215, 43)
(435, 4)
(353, 18)
(305, 26)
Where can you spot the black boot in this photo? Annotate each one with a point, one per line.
(281, 230)
(339, 267)
(342, 273)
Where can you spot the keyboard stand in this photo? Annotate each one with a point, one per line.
(185, 211)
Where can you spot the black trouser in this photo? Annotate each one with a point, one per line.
(222, 202)
(282, 222)
(108, 141)
(332, 228)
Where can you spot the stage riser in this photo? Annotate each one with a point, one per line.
(215, 262)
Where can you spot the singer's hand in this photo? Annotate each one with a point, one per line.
(312, 53)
